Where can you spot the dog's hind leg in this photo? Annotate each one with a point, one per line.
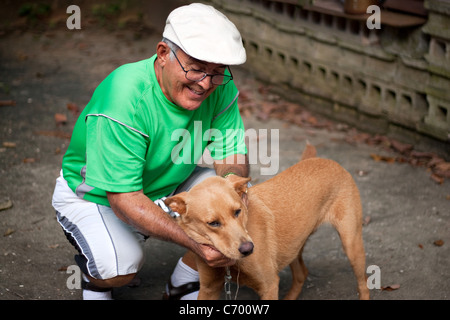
(299, 274)
(355, 253)
(350, 232)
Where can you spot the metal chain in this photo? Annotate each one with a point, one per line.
(227, 285)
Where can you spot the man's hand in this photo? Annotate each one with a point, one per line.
(213, 257)
(236, 164)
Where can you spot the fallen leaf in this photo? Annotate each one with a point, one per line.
(8, 232)
(5, 204)
(420, 246)
(60, 119)
(379, 140)
(7, 144)
(402, 160)
(426, 155)
(29, 160)
(247, 113)
(38, 220)
(392, 287)
(434, 161)
(5, 103)
(436, 178)
(264, 89)
(403, 148)
(375, 157)
(439, 243)
(361, 137)
(75, 110)
(442, 169)
(379, 158)
(53, 246)
(312, 120)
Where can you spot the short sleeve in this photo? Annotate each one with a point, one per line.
(227, 131)
(115, 155)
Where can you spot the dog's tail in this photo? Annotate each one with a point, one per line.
(309, 152)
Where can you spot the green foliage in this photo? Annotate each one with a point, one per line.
(34, 11)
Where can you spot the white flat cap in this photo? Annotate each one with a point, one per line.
(205, 34)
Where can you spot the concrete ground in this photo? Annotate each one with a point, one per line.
(406, 213)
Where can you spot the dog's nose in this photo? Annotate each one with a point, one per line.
(246, 248)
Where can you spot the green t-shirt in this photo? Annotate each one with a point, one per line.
(130, 137)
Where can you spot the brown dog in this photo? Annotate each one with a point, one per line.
(271, 231)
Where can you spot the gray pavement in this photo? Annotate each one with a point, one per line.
(406, 213)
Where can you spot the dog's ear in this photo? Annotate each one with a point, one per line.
(177, 203)
(239, 183)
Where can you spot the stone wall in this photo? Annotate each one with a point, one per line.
(394, 80)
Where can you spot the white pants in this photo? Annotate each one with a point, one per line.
(108, 246)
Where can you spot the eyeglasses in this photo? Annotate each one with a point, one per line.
(197, 75)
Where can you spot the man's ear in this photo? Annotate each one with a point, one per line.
(163, 52)
(239, 183)
(177, 203)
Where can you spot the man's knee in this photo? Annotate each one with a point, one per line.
(115, 282)
(113, 269)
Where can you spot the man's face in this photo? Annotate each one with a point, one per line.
(181, 91)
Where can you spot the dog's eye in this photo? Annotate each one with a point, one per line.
(237, 212)
(214, 224)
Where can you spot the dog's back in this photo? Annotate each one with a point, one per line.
(302, 197)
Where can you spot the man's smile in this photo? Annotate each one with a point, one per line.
(196, 92)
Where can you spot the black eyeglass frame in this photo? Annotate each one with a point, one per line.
(226, 78)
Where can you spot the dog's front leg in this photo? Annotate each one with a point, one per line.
(270, 290)
(211, 282)
(266, 287)
(210, 291)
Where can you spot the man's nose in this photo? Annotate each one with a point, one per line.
(206, 83)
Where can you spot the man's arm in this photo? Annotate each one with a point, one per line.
(236, 164)
(136, 209)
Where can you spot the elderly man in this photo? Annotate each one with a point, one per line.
(124, 156)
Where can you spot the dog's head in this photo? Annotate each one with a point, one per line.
(213, 212)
